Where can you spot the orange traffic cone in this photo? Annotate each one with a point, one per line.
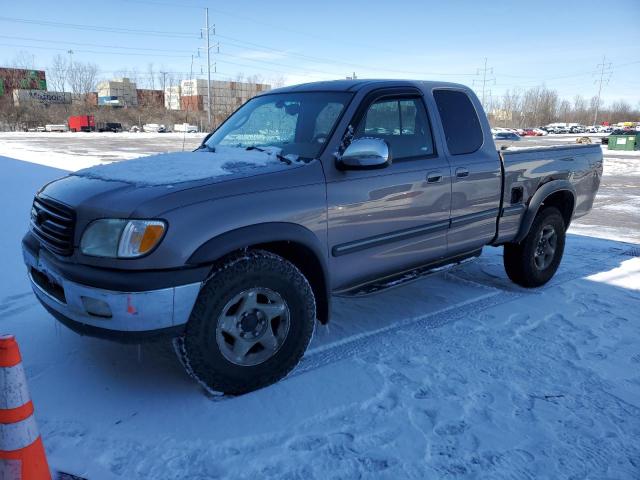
(22, 455)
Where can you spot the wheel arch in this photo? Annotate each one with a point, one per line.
(557, 193)
(295, 243)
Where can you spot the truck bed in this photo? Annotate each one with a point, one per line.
(528, 168)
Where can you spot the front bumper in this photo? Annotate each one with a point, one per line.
(116, 315)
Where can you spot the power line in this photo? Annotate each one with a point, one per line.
(98, 28)
(605, 69)
(239, 43)
(483, 72)
(30, 39)
(39, 47)
(207, 32)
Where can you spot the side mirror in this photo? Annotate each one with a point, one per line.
(365, 154)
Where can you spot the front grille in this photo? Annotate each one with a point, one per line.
(53, 223)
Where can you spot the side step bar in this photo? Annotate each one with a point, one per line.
(408, 276)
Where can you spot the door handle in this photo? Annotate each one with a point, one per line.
(462, 172)
(434, 177)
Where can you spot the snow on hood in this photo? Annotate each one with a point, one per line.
(180, 167)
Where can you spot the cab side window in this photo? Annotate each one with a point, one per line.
(402, 122)
(460, 121)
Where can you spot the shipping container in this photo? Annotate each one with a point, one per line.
(192, 103)
(28, 97)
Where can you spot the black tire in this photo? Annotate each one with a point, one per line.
(199, 349)
(520, 258)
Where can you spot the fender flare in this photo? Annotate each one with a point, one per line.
(538, 199)
(233, 240)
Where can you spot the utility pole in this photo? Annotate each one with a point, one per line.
(164, 79)
(604, 68)
(484, 71)
(164, 90)
(207, 31)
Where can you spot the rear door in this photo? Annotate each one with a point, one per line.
(476, 185)
(387, 220)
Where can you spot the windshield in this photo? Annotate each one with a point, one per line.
(297, 123)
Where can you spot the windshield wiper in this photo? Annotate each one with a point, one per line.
(206, 147)
(280, 157)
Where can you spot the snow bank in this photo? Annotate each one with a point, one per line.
(179, 167)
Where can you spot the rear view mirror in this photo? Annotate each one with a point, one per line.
(365, 154)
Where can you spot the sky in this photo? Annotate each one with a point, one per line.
(558, 44)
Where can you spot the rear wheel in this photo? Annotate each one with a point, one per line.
(532, 262)
(250, 325)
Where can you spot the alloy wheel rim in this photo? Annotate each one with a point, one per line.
(253, 326)
(545, 247)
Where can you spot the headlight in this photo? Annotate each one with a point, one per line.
(121, 238)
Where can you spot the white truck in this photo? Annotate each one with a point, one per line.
(185, 127)
(56, 128)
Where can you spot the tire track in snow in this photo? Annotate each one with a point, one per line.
(367, 341)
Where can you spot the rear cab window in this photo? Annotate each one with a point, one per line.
(460, 121)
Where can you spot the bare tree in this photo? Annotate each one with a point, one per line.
(277, 82)
(82, 77)
(152, 76)
(564, 111)
(58, 73)
(24, 60)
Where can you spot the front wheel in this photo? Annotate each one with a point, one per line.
(251, 323)
(532, 262)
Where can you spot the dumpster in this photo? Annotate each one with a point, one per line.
(627, 141)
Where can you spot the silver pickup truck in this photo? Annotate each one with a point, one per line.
(236, 248)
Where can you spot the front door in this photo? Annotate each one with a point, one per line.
(391, 219)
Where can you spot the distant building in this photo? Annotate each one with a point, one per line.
(20, 79)
(40, 97)
(120, 92)
(501, 115)
(150, 98)
(89, 98)
(172, 97)
(225, 96)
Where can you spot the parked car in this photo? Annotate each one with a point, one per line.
(114, 127)
(236, 248)
(154, 127)
(506, 136)
(529, 132)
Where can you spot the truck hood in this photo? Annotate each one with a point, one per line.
(173, 169)
(149, 186)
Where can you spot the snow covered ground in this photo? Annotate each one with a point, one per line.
(461, 374)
